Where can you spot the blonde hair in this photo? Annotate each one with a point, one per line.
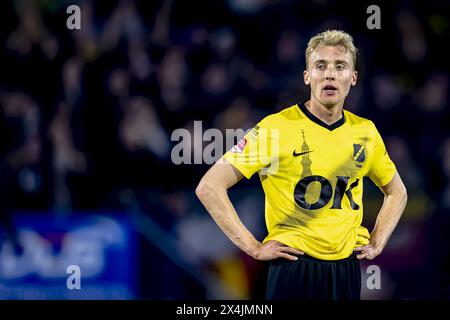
(334, 38)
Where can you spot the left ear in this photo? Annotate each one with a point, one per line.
(354, 78)
(306, 77)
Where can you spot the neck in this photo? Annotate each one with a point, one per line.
(329, 115)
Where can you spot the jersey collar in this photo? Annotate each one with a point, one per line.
(313, 118)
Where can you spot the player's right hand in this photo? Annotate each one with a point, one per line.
(273, 250)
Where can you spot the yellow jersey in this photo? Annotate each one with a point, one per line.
(312, 176)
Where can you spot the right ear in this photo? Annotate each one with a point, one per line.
(306, 77)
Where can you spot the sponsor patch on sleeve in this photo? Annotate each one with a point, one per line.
(253, 133)
(239, 147)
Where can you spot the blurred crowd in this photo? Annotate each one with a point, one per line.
(86, 118)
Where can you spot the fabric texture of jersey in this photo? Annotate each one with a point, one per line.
(312, 176)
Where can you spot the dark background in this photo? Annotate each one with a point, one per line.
(86, 118)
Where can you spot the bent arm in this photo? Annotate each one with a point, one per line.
(212, 192)
(395, 198)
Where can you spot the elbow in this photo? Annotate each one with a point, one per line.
(200, 190)
(203, 189)
(208, 188)
(404, 194)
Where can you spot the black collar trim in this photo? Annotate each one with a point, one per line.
(313, 118)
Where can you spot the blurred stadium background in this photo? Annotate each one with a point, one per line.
(86, 118)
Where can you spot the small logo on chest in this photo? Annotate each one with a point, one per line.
(359, 154)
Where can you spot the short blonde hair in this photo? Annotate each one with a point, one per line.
(334, 38)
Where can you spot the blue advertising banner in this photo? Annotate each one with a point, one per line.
(84, 256)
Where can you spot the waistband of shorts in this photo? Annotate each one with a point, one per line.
(352, 257)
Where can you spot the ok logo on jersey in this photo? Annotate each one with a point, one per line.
(326, 192)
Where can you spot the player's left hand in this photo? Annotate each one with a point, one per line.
(369, 252)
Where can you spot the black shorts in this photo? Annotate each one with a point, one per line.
(309, 278)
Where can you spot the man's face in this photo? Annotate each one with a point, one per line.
(330, 73)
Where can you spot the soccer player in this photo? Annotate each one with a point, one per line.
(311, 159)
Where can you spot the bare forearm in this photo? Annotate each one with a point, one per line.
(388, 218)
(217, 203)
